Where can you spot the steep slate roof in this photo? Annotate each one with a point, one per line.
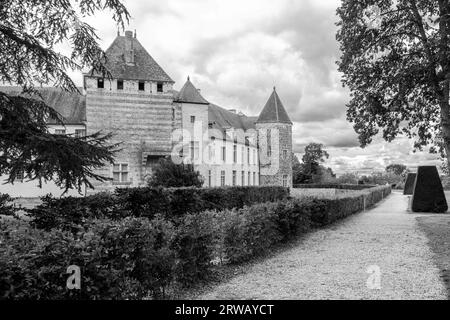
(190, 94)
(71, 105)
(144, 66)
(223, 119)
(274, 111)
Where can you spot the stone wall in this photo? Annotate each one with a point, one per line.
(280, 163)
(142, 121)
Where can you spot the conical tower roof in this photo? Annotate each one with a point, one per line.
(274, 111)
(190, 94)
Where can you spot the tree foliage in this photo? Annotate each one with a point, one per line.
(30, 33)
(396, 62)
(311, 170)
(169, 174)
(398, 169)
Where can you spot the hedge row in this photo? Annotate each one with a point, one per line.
(334, 186)
(147, 202)
(134, 257)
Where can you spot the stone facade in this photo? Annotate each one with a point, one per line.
(276, 164)
(142, 121)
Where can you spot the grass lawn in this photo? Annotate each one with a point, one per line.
(437, 229)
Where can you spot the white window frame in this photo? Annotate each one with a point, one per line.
(285, 180)
(121, 172)
(222, 178)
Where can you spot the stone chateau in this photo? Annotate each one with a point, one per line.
(152, 120)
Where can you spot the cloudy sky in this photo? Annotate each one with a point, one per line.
(235, 51)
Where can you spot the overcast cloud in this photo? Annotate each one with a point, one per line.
(236, 51)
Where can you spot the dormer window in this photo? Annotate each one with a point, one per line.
(141, 86)
(159, 87)
(119, 84)
(100, 83)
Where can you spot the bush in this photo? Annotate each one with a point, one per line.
(334, 186)
(194, 245)
(7, 208)
(172, 203)
(134, 257)
(171, 175)
(428, 194)
(129, 259)
(69, 212)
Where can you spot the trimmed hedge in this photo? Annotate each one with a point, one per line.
(428, 195)
(172, 203)
(334, 186)
(135, 257)
(409, 184)
(127, 259)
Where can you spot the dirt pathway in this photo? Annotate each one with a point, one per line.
(333, 263)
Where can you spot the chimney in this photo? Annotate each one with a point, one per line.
(129, 50)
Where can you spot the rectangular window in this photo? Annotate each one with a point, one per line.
(119, 84)
(141, 86)
(285, 154)
(80, 133)
(235, 153)
(100, 83)
(60, 131)
(285, 180)
(192, 119)
(120, 173)
(254, 178)
(224, 154)
(243, 178)
(249, 179)
(222, 178)
(248, 155)
(234, 178)
(209, 178)
(194, 150)
(242, 155)
(269, 146)
(159, 87)
(20, 175)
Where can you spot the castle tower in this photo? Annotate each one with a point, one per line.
(275, 143)
(136, 105)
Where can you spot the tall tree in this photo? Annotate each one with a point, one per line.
(396, 168)
(314, 155)
(30, 32)
(396, 63)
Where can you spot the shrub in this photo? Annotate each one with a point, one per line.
(172, 203)
(7, 208)
(409, 184)
(171, 175)
(133, 257)
(194, 245)
(69, 212)
(119, 260)
(428, 194)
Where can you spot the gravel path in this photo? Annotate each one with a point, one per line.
(332, 263)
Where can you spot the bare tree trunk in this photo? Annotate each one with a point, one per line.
(445, 121)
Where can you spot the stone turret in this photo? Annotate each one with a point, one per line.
(275, 143)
